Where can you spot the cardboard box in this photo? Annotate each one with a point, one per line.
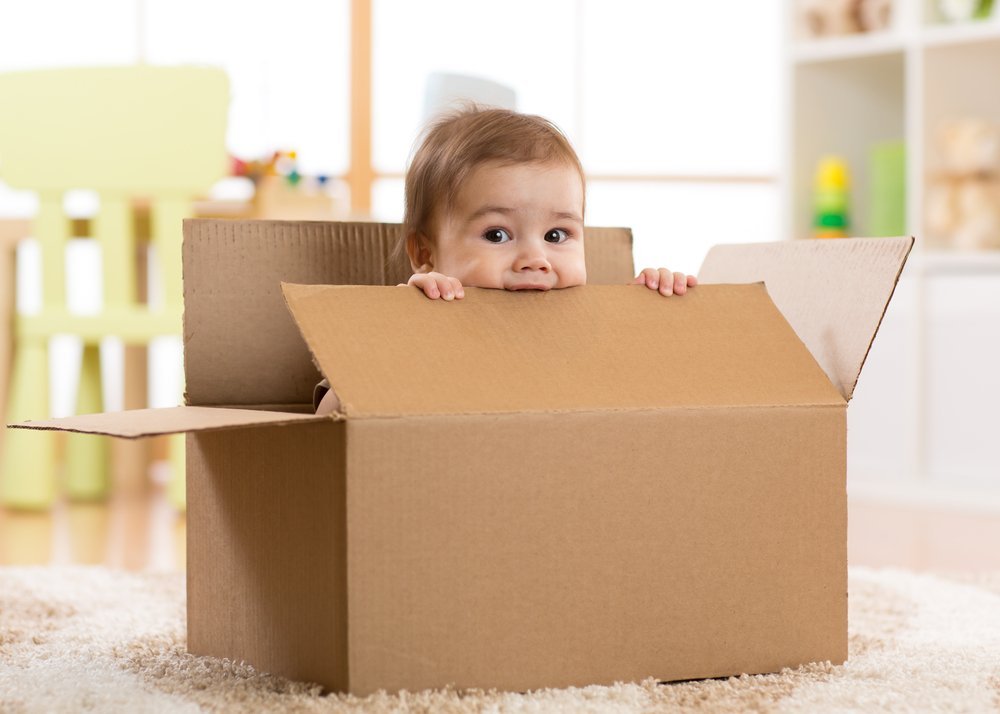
(522, 490)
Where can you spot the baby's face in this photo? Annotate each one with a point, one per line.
(516, 227)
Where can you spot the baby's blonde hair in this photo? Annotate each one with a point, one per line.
(458, 142)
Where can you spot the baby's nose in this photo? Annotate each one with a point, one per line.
(533, 259)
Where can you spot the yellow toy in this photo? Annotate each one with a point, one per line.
(831, 200)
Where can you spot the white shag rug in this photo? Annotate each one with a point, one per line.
(91, 639)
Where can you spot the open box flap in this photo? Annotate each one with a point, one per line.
(136, 423)
(390, 351)
(833, 292)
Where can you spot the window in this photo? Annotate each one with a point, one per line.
(673, 108)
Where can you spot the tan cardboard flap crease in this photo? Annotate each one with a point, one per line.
(523, 490)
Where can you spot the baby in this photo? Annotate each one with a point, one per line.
(495, 199)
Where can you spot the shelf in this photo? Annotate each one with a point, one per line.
(931, 380)
(961, 33)
(860, 46)
(944, 262)
(835, 49)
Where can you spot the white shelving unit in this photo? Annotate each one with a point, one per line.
(925, 421)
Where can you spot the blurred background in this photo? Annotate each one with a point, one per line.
(697, 123)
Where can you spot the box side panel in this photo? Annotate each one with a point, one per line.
(575, 549)
(233, 304)
(609, 256)
(266, 550)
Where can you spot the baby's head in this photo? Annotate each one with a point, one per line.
(496, 199)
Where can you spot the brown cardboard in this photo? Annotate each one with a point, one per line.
(600, 484)
(137, 423)
(267, 544)
(241, 265)
(591, 348)
(833, 292)
(585, 548)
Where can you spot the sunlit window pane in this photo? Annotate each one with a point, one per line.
(524, 44)
(680, 88)
(674, 225)
(387, 200)
(60, 33)
(288, 69)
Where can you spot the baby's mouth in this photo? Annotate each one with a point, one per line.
(529, 286)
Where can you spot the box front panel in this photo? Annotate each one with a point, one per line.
(266, 549)
(557, 550)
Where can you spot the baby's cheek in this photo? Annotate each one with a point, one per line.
(481, 272)
(573, 273)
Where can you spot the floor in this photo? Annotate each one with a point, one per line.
(140, 530)
(944, 540)
(136, 529)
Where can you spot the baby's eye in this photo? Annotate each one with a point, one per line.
(496, 235)
(556, 235)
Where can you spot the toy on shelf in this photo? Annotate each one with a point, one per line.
(887, 189)
(963, 199)
(963, 10)
(830, 198)
(832, 18)
(280, 163)
(282, 192)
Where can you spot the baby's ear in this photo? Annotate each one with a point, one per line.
(419, 252)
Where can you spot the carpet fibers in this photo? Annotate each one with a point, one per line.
(90, 639)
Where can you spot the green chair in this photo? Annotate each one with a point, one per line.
(135, 132)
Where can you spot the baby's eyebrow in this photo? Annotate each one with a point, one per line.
(483, 210)
(506, 211)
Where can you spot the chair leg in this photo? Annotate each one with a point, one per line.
(176, 490)
(28, 467)
(87, 456)
(131, 458)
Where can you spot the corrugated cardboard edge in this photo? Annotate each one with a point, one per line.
(140, 423)
(773, 262)
(892, 291)
(320, 310)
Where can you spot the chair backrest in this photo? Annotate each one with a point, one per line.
(137, 129)
(126, 132)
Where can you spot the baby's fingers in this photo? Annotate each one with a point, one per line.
(648, 277)
(682, 282)
(451, 288)
(436, 285)
(427, 283)
(667, 284)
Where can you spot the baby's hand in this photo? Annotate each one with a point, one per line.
(436, 285)
(666, 282)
